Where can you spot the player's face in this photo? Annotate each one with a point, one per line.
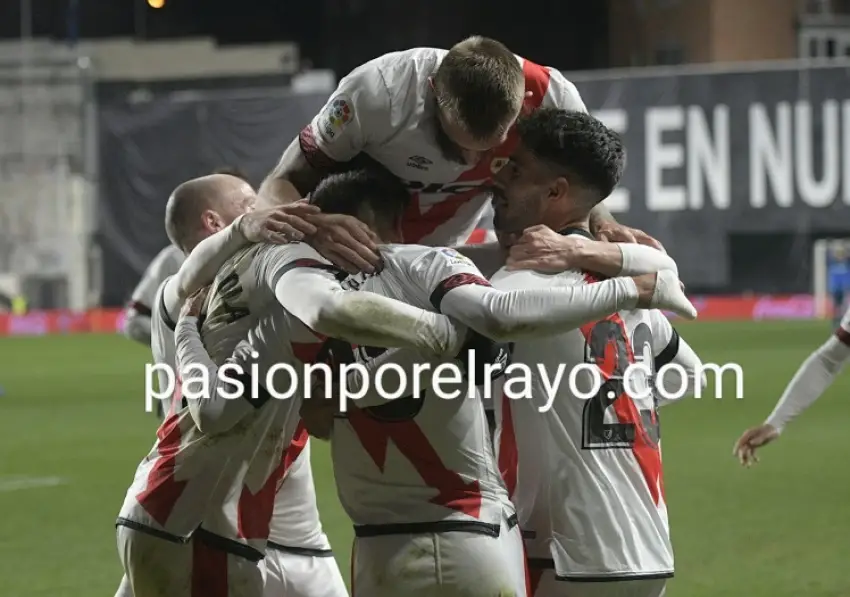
(459, 146)
(522, 190)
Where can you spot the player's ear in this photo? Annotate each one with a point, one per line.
(431, 83)
(211, 221)
(559, 189)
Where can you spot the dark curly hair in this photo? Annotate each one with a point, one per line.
(577, 146)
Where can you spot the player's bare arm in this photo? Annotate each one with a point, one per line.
(343, 240)
(540, 248)
(812, 379)
(292, 178)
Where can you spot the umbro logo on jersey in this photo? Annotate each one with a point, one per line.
(418, 162)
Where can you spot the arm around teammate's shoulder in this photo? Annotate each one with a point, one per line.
(309, 289)
(458, 289)
(542, 249)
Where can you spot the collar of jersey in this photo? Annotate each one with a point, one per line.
(576, 230)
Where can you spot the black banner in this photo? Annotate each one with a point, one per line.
(736, 173)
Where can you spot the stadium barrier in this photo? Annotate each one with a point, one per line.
(711, 308)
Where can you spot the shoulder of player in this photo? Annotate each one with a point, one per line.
(551, 87)
(506, 279)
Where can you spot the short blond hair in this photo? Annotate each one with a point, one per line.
(480, 85)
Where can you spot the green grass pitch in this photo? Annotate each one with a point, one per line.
(73, 410)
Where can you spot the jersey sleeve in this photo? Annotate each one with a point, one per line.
(562, 93)
(137, 322)
(456, 288)
(813, 377)
(357, 115)
(310, 290)
(221, 405)
(162, 266)
(668, 348)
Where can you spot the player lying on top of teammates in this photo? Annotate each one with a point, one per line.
(812, 379)
(442, 122)
(207, 218)
(417, 472)
(584, 471)
(137, 316)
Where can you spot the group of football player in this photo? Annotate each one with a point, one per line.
(561, 493)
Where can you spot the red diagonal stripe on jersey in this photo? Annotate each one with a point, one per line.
(418, 222)
(452, 491)
(647, 455)
(255, 509)
(162, 491)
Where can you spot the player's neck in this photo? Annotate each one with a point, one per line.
(569, 221)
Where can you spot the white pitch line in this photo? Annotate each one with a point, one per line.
(18, 483)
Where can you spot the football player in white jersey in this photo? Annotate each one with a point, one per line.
(207, 218)
(584, 473)
(812, 379)
(137, 316)
(286, 302)
(442, 122)
(418, 471)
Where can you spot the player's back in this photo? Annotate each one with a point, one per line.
(586, 475)
(242, 304)
(424, 459)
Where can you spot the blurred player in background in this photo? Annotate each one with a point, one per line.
(137, 316)
(838, 276)
(812, 379)
(584, 474)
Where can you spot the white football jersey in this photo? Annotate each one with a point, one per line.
(167, 263)
(274, 500)
(418, 460)
(586, 476)
(386, 109)
(295, 520)
(226, 483)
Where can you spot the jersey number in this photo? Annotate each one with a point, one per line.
(609, 348)
(230, 290)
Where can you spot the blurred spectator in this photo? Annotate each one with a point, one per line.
(838, 276)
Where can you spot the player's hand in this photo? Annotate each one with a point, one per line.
(346, 242)
(664, 291)
(752, 440)
(193, 305)
(612, 232)
(542, 249)
(318, 414)
(279, 225)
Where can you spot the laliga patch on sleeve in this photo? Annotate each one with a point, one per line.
(455, 257)
(337, 115)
